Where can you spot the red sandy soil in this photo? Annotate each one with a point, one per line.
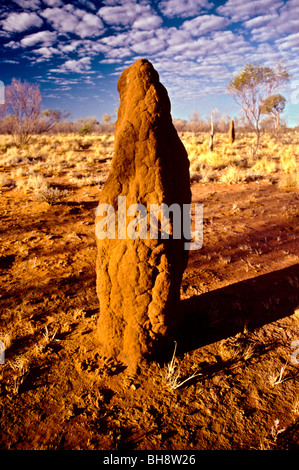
(239, 297)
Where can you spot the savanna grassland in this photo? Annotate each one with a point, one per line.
(233, 380)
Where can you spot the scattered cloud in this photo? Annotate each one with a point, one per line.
(124, 15)
(152, 45)
(259, 21)
(289, 42)
(88, 4)
(53, 3)
(205, 24)
(45, 53)
(238, 10)
(139, 16)
(28, 4)
(117, 40)
(68, 19)
(70, 46)
(9, 61)
(74, 66)
(45, 37)
(147, 22)
(183, 8)
(177, 37)
(18, 22)
(12, 45)
(119, 53)
(275, 24)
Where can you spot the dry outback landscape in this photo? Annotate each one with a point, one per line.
(229, 382)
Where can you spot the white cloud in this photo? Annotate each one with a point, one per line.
(259, 21)
(147, 22)
(116, 2)
(149, 46)
(110, 61)
(191, 49)
(136, 41)
(71, 20)
(90, 25)
(205, 24)
(119, 15)
(289, 42)
(75, 66)
(92, 48)
(219, 48)
(64, 81)
(140, 16)
(12, 44)
(28, 4)
(99, 48)
(88, 4)
(69, 47)
(134, 36)
(119, 53)
(189, 68)
(53, 3)
(183, 8)
(239, 10)
(9, 61)
(18, 22)
(45, 37)
(276, 24)
(269, 54)
(117, 40)
(177, 37)
(46, 52)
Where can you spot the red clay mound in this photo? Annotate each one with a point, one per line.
(138, 280)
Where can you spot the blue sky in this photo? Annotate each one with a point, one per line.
(77, 50)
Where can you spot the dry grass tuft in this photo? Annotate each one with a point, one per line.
(51, 195)
(171, 373)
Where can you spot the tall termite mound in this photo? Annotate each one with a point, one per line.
(232, 132)
(138, 280)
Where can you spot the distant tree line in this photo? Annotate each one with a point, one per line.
(85, 126)
(196, 123)
(22, 116)
(255, 89)
(222, 125)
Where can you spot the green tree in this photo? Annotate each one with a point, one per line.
(86, 125)
(274, 106)
(108, 126)
(252, 87)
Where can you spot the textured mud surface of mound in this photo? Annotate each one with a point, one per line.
(138, 280)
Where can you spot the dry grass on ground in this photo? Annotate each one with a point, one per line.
(229, 384)
(276, 159)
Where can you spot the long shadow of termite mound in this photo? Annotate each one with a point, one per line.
(224, 312)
